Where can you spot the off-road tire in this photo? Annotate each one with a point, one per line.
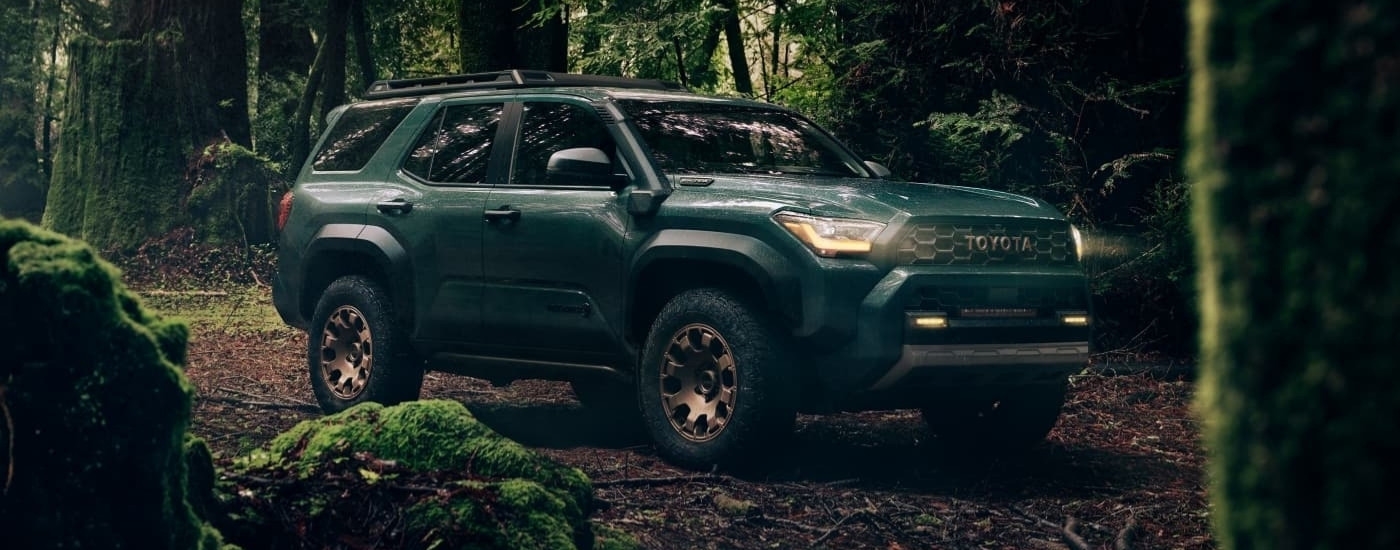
(763, 405)
(368, 353)
(1008, 419)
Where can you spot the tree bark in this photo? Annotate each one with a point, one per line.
(363, 48)
(139, 110)
(734, 39)
(485, 35)
(301, 122)
(285, 46)
(333, 75)
(1292, 134)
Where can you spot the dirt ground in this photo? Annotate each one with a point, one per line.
(1124, 467)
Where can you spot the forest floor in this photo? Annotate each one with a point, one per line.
(1123, 469)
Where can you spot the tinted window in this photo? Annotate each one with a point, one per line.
(550, 127)
(456, 145)
(695, 137)
(358, 133)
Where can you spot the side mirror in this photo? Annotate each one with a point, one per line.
(583, 166)
(879, 169)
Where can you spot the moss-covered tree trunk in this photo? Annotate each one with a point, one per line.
(139, 107)
(1294, 128)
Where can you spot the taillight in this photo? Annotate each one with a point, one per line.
(284, 210)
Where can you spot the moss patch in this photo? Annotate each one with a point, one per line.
(98, 404)
(425, 472)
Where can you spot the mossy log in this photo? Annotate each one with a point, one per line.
(96, 406)
(422, 474)
(1294, 128)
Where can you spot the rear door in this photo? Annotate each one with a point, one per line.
(553, 248)
(433, 204)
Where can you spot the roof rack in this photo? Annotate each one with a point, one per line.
(513, 78)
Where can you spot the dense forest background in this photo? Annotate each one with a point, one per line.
(123, 121)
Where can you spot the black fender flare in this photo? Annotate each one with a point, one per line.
(769, 268)
(374, 242)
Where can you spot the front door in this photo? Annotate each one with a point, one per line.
(552, 249)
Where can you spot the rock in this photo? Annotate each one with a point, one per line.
(99, 406)
(421, 474)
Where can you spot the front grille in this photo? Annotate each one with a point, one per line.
(987, 244)
(955, 299)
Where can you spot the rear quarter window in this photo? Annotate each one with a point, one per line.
(358, 133)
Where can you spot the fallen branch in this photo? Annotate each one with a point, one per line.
(259, 481)
(183, 293)
(1071, 537)
(304, 407)
(792, 523)
(10, 434)
(838, 525)
(651, 481)
(1067, 531)
(261, 397)
(1124, 540)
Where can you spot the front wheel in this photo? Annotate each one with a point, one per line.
(715, 385)
(355, 352)
(1008, 419)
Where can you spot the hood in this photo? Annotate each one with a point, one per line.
(872, 199)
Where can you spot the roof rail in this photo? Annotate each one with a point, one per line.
(513, 78)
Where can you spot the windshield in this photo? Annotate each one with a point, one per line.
(689, 137)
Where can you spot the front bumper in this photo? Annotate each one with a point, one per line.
(1003, 327)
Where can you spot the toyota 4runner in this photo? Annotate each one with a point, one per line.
(711, 266)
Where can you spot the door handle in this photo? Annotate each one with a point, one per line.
(399, 205)
(503, 213)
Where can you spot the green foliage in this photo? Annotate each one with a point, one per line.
(98, 403)
(1292, 139)
(21, 184)
(498, 493)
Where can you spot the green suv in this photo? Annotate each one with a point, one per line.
(711, 266)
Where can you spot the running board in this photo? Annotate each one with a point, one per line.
(504, 370)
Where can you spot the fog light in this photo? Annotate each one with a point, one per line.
(930, 321)
(1075, 319)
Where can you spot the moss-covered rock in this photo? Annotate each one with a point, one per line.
(232, 195)
(422, 474)
(96, 405)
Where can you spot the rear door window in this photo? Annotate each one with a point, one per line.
(456, 145)
(358, 133)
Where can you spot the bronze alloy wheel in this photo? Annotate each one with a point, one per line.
(347, 352)
(699, 382)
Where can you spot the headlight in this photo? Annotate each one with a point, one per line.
(1078, 242)
(831, 237)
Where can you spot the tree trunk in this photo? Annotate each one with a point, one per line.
(285, 46)
(300, 147)
(363, 49)
(333, 77)
(485, 33)
(734, 40)
(1292, 147)
(139, 109)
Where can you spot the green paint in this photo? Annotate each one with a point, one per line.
(100, 406)
(1292, 133)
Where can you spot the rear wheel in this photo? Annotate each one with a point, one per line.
(355, 352)
(715, 385)
(1007, 419)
